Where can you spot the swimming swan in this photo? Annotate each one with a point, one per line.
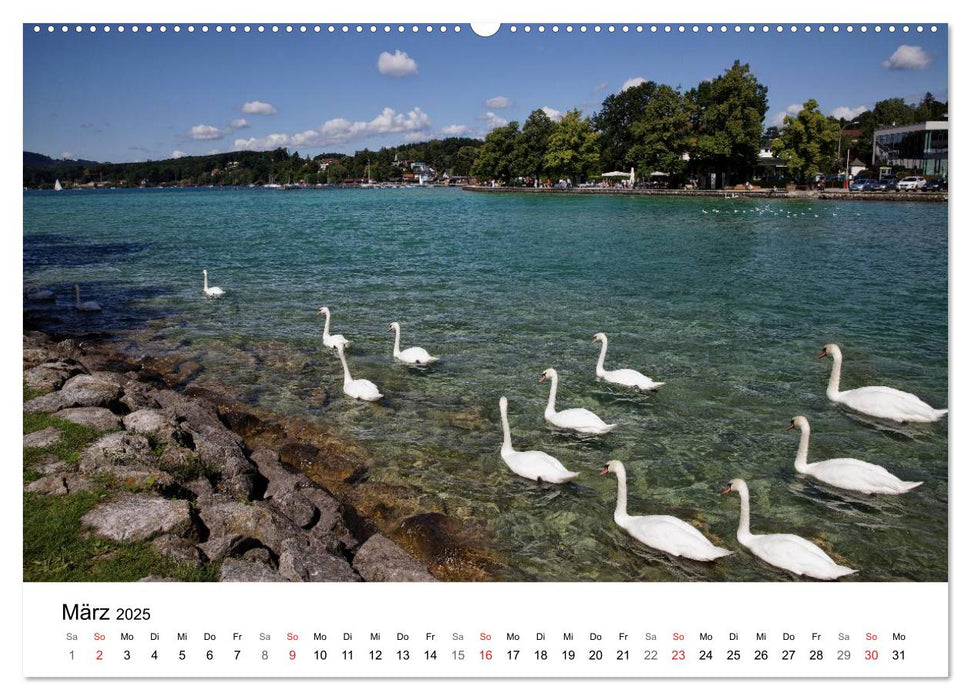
(624, 377)
(579, 419)
(331, 341)
(846, 473)
(533, 464)
(84, 305)
(878, 401)
(790, 552)
(663, 532)
(210, 291)
(362, 389)
(411, 356)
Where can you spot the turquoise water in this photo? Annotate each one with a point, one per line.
(729, 307)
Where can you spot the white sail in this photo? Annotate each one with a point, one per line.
(57, 186)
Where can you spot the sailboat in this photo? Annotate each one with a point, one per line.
(272, 185)
(57, 186)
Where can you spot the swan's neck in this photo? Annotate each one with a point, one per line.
(205, 281)
(603, 355)
(802, 455)
(620, 512)
(326, 323)
(506, 436)
(551, 404)
(397, 341)
(833, 390)
(744, 533)
(347, 372)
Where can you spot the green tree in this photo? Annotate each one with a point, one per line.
(727, 114)
(532, 143)
(572, 149)
(663, 134)
(615, 121)
(495, 159)
(807, 142)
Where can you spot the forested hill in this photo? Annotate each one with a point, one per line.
(450, 155)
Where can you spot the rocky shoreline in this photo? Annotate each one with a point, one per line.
(205, 479)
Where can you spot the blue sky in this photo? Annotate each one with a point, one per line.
(127, 97)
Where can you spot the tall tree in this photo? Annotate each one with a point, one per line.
(727, 113)
(663, 133)
(572, 149)
(615, 122)
(807, 142)
(495, 159)
(532, 143)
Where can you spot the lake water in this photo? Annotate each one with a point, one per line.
(730, 308)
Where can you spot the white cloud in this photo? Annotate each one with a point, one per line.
(554, 114)
(239, 124)
(204, 132)
(455, 130)
(67, 155)
(493, 120)
(397, 65)
(632, 82)
(908, 58)
(600, 87)
(791, 111)
(415, 124)
(498, 102)
(257, 107)
(848, 113)
(178, 154)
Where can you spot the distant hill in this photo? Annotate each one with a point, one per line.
(41, 161)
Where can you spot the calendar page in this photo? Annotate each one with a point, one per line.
(395, 345)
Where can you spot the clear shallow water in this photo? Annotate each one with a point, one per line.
(730, 308)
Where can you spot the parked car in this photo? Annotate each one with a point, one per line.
(912, 182)
(862, 184)
(938, 184)
(887, 184)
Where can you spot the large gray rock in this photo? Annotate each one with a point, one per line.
(50, 376)
(198, 415)
(50, 464)
(239, 570)
(256, 522)
(42, 438)
(149, 421)
(296, 507)
(380, 559)
(59, 484)
(101, 419)
(137, 395)
(137, 517)
(302, 560)
(223, 546)
(98, 389)
(127, 457)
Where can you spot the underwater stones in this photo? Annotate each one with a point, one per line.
(380, 559)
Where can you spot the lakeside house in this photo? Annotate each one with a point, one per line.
(919, 148)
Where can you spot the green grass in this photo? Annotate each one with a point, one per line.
(56, 550)
(74, 438)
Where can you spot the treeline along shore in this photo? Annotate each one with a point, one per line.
(134, 469)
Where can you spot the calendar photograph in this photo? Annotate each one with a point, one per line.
(558, 303)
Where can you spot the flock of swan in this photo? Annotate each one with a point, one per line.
(664, 532)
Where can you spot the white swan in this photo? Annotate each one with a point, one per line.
(878, 401)
(579, 419)
(207, 290)
(84, 305)
(846, 473)
(790, 552)
(533, 464)
(411, 356)
(624, 377)
(362, 389)
(331, 341)
(35, 294)
(663, 532)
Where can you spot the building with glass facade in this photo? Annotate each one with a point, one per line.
(918, 148)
